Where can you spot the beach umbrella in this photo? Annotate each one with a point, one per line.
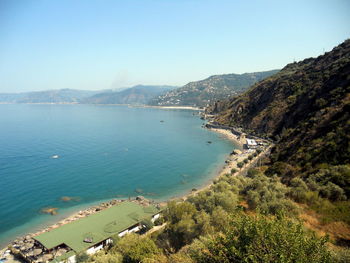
(29, 245)
(47, 257)
(37, 251)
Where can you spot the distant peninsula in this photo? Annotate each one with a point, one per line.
(194, 94)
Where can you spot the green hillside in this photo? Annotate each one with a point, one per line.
(140, 94)
(305, 108)
(201, 93)
(293, 207)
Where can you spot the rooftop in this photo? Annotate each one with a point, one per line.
(96, 227)
(251, 142)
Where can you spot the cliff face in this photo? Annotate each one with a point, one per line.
(305, 107)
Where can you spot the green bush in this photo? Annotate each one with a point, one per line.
(234, 170)
(341, 255)
(260, 239)
(333, 192)
(159, 221)
(240, 165)
(103, 257)
(81, 257)
(135, 248)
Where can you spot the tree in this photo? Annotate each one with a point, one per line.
(261, 239)
(81, 257)
(240, 165)
(135, 248)
(234, 170)
(245, 160)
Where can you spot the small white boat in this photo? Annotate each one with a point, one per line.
(54, 156)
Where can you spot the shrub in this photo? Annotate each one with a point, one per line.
(81, 257)
(159, 221)
(260, 239)
(234, 170)
(253, 173)
(298, 190)
(110, 257)
(147, 224)
(240, 165)
(135, 248)
(246, 160)
(333, 192)
(250, 157)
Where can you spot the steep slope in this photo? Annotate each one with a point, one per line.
(48, 96)
(136, 95)
(306, 108)
(200, 93)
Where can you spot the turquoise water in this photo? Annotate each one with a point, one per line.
(104, 152)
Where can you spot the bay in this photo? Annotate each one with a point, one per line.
(94, 153)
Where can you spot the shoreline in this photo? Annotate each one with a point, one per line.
(230, 163)
(109, 104)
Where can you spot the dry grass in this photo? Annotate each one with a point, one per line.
(336, 230)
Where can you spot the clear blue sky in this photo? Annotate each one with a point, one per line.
(86, 44)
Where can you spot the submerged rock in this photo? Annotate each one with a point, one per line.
(69, 198)
(138, 190)
(49, 210)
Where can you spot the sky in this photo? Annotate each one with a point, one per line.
(95, 45)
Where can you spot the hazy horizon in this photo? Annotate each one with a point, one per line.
(90, 45)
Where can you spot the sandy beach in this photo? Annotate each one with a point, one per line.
(230, 163)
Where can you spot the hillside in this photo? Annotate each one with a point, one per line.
(135, 95)
(201, 93)
(48, 96)
(305, 108)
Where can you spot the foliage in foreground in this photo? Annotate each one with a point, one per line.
(212, 226)
(260, 239)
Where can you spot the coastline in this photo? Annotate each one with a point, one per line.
(168, 107)
(110, 104)
(230, 163)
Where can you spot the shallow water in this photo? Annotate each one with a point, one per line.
(103, 152)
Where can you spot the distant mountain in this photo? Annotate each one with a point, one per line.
(48, 96)
(135, 95)
(201, 93)
(306, 109)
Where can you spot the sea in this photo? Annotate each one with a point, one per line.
(93, 153)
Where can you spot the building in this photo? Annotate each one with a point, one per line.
(92, 233)
(251, 144)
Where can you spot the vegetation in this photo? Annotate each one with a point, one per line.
(240, 165)
(201, 93)
(305, 108)
(82, 257)
(259, 217)
(214, 226)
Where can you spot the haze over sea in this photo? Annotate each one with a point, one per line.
(104, 152)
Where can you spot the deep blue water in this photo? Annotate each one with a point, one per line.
(104, 152)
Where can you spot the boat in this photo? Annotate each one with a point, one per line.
(54, 156)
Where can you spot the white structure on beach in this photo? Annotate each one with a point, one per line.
(251, 144)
